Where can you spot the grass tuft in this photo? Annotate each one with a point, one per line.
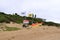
(12, 29)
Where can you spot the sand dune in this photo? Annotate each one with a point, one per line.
(40, 33)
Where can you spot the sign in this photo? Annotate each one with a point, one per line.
(26, 21)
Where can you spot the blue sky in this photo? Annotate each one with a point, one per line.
(47, 9)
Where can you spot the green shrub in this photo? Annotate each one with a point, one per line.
(11, 28)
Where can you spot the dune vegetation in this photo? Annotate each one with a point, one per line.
(7, 18)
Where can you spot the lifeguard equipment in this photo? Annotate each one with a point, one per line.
(35, 25)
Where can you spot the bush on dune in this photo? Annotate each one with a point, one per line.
(19, 19)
